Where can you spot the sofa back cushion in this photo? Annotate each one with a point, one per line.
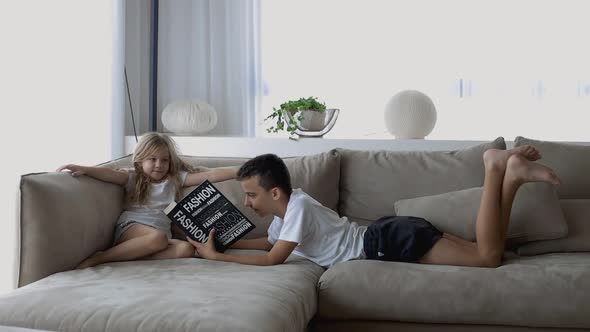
(577, 216)
(318, 175)
(536, 213)
(570, 162)
(372, 181)
(63, 220)
(209, 162)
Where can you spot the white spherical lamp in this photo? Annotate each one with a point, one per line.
(188, 117)
(410, 114)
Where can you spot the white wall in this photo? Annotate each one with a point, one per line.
(58, 68)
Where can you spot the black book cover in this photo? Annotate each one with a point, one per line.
(204, 208)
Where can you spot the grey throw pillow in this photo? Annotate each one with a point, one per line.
(536, 213)
(577, 216)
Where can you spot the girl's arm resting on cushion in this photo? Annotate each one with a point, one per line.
(101, 173)
(214, 175)
(260, 243)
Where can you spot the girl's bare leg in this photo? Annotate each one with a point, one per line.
(175, 249)
(505, 172)
(137, 242)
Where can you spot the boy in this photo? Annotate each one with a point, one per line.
(304, 227)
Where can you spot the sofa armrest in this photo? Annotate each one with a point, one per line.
(63, 219)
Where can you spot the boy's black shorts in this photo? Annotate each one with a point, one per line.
(400, 239)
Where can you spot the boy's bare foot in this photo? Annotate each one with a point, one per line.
(494, 158)
(90, 261)
(521, 170)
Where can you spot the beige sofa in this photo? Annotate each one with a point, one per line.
(65, 219)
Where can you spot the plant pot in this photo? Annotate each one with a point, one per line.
(312, 120)
(319, 122)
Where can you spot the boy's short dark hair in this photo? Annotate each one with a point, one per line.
(271, 171)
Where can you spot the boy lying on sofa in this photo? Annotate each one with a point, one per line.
(304, 227)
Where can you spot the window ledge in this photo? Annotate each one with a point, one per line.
(247, 147)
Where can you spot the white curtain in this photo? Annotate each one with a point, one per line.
(209, 50)
(62, 96)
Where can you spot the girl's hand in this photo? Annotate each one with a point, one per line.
(76, 170)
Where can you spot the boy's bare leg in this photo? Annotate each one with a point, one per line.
(459, 240)
(136, 242)
(505, 170)
(521, 171)
(175, 249)
(449, 252)
(489, 225)
(528, 152)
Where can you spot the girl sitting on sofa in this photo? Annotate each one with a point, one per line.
(143, 231)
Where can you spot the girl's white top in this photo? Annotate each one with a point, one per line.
(161, 195)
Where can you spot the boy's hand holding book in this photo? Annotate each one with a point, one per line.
(206, 250)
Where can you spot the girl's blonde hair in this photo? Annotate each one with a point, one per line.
(148, 144)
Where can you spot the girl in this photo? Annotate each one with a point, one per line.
(143, 230)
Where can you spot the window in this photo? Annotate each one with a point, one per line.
(492, 68)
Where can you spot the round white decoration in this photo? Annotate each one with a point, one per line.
(410, 114)
(188, 117)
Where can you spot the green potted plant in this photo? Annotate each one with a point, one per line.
(303, 114)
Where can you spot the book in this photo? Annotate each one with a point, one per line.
(204, 208)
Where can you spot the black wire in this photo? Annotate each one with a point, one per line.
(130, 105)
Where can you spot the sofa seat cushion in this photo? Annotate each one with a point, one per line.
(18, 329)
(169, 295)
(535, 291)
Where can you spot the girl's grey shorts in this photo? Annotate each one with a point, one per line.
(129, 218)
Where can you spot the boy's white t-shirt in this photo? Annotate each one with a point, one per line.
(323, 236)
